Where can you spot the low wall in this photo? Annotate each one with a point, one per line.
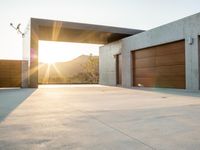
(10, 73)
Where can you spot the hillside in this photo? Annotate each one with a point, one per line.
(67, 72)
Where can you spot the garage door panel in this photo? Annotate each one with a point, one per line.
(146, 82)
(168, 60)
(172, 48)
(171, 83)
(145, 53)
(169, 78)
(146, 62)
(161, 66)
(161, 52)
(145, 72)
(178, 70)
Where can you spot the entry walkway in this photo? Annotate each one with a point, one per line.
(94, 117)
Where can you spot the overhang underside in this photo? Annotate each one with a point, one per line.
(51, 30)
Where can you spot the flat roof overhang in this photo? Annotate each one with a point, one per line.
(53, 30)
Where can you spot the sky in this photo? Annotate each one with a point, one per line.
(64, 51)
(135, 14)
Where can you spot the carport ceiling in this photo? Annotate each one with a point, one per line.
(52, 30)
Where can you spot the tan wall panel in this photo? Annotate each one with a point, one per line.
(10, 73)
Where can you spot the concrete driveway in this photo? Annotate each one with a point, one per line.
(94, 117)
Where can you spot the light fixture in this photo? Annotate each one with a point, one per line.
(190, 40)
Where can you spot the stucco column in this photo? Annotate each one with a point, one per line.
(25, 66)
(126, 69)
(24, 74)
(192, 63)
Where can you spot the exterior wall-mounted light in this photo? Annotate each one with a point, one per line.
(190, 40)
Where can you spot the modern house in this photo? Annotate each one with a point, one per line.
(164, 57)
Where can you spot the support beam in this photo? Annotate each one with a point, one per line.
(192, 63)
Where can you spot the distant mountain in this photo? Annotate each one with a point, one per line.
(64, 72)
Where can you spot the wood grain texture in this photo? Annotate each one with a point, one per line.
(10, 73)
(160, 66)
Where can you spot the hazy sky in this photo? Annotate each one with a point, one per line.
(139, 14)
(50, 52)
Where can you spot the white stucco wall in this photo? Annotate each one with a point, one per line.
(107, 63)
(26, 57)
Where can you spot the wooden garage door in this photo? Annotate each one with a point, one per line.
(160, 66)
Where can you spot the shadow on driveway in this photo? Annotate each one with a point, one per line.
(10, 99)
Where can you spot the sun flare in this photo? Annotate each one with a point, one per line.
(49, 60)
(52, 52)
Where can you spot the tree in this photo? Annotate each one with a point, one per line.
(91, 69)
